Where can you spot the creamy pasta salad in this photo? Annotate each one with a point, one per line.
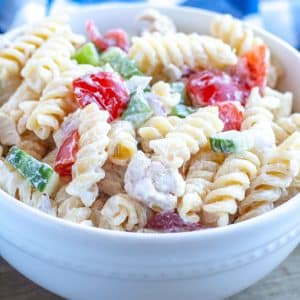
(163, 131)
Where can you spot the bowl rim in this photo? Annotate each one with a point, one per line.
(211, 232)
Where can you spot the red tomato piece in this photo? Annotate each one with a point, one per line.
(232, 114)
(118, 38)
(212, 86)
(95, 36)
(107, 89)
(66, 155)
(251, 69)
(170, 222)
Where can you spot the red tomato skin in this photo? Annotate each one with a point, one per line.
(108, 90)
(232, 113)
(95, 36)
(66, 155)
(212, 86)
(251, 69)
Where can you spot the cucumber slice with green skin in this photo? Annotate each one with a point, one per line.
(87, 54)
(38, 174)
(182, 110)
(120, 62)
(232, 141)
(138, 110)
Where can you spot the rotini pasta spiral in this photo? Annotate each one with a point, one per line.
(52, 58)
(285, 126)
(154, 52)
(229, 186)
(274, 177)
(56, 102)
(122, 145)
(87, 169)
(14, 57)
(242, 39)
(199, 178)
(156, 127)
(71, 208)
(120, 212)
(186, 138)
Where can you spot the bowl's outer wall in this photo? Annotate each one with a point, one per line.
(83, 263)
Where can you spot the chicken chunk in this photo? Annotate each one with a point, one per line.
(153, 183)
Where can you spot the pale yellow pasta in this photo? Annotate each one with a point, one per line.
(157, 22)
(120, 212)
(71, 208)
(122, 144)
(242, 39)
(56, 102)
(275, 176)
(229, 186)
(25, 108)
(199, 178)
(154, 52)
(285, 100)
(285, 126)
(50, 157)
(156, 127)
(87, 170)
(186, 138)
(168, 98)
(14, 57)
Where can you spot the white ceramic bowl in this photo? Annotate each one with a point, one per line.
(87, 263)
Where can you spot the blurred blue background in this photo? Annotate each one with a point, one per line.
(262, 13)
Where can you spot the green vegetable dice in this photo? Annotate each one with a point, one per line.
(87, 54)
(120, 62)
(138, 110)
(182, 111)
(38, 174)
(232, 141)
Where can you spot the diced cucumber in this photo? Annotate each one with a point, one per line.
(87, 54)
(38, 174)
(136, 83)
(232, 141)
(138, 110)
(182, 111)
(120, 62)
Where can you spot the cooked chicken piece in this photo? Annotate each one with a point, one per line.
(153, 183)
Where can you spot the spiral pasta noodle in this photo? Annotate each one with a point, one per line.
(229, 186)
(274, 177)
(186, 138)
(199, 178)
(122, 145)
(242, 39)
(52, 58)
(120, 212)
(71, 208)
(154, 52)
(156, 127)
(87, 169)
(14, 57)
(56, 102)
